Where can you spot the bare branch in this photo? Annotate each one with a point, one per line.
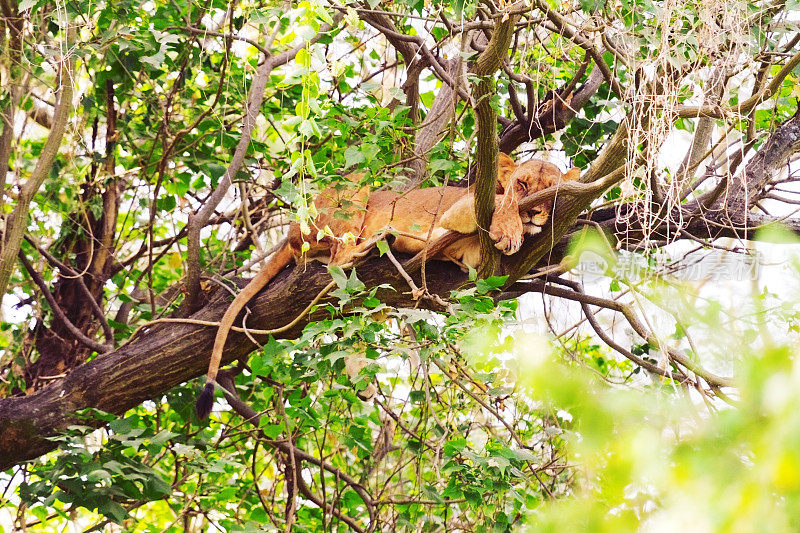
(743, 108)
(77, 333)
(254, 101)
(293, 452)
(18, 219)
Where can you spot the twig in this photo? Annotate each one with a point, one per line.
(108, 333)
(415, 291)
(286, 447)
(77, 333)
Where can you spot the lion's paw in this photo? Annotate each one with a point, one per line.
(507, 233)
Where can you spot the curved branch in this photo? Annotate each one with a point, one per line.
(285, 446)
(717, 111)
(566, 29)
(18, 219)
(609, 168)
(108, 333)
(548, 119)
(14, 22)
(585, 300)
(77, 333)
(201, 217)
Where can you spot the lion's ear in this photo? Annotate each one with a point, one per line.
(572, 174)
(505, 159)
(505, 167)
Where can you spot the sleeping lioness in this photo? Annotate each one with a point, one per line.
(351, 217)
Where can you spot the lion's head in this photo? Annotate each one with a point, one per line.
(528, 178)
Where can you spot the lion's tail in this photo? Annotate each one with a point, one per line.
(281, 258)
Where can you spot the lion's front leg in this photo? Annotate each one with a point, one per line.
(506, 229)
(460, 216)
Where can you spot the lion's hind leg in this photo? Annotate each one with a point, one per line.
(466, 253)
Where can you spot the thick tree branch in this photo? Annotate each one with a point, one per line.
(773, 155)
(705, 127)
(430, 132)
(162, 356)
(165, 355)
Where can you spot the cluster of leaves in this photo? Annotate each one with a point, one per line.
(655, 460)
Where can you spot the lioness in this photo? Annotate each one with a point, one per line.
(353, 216)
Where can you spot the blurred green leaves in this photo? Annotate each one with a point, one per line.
(659, 459)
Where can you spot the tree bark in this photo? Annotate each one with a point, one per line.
(487, 147)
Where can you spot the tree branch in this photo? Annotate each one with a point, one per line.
(77, 333)
(550, 118)
(162, 356)
(608, 169)
(743, 108)
(430, 132)
(18, 219)
(291, 451)
(15, 23)
(201, 217)
(488, 145)
(565, 28)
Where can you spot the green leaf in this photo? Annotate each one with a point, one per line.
(454, 446)
(354, 284)
(113, 510)
(272, 349)
(442, 164)
(382, 246)
(352, 156)
(459, 8)
(338, 276)
(273, 431)
(492, 283)
(122, 426)
(215, 172)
